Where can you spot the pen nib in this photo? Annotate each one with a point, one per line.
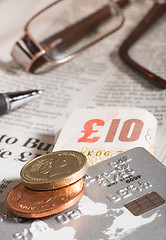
(17, 99)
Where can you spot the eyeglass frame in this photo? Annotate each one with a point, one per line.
(156, 12)
(28, 53)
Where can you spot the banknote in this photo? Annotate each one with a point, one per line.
(124, 200)
(101, 133)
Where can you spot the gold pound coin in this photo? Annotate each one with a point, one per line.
(54, 170)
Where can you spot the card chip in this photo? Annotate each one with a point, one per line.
(145, 203)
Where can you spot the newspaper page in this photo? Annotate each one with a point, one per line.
(96, 78)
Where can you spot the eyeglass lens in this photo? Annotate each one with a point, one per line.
(69, 26)
(150, 50)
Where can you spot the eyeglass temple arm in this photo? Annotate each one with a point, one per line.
(77, 31)
(152, 16)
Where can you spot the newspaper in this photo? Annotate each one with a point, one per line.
(96, 78)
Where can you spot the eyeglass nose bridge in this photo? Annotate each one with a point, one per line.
(27, 53)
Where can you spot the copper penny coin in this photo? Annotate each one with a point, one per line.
(54, 170)
(27, 203)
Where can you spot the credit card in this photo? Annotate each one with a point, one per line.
(124, 200)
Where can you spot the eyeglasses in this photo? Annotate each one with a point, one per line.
(150, 21)
(64, 29)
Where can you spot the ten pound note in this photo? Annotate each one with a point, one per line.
(102, 133)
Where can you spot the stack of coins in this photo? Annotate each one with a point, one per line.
(50, 184)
